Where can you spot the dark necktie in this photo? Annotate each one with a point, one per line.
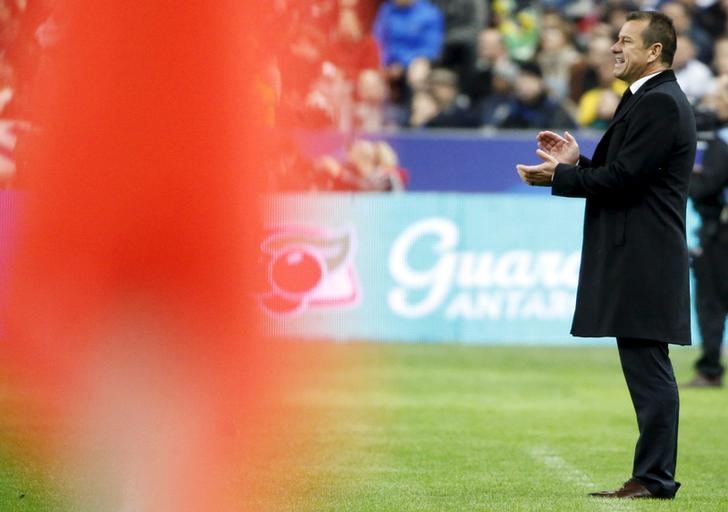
(625, 98)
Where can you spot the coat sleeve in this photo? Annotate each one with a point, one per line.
(584, 161)
(653, 126)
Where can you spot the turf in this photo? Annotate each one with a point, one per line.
(453, 428)
(459, 428)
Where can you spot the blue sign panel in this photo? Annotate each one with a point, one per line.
(425, 267)
(453, 161)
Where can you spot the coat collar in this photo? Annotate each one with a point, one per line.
(666, 76)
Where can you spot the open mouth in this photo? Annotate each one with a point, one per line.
(619, 60)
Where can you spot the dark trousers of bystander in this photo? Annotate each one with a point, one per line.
(710, 270)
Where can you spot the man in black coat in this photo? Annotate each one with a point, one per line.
(633, 282)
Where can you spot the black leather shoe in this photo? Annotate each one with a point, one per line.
(631, 489)
(702, 381)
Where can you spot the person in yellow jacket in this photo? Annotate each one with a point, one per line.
(597, 105)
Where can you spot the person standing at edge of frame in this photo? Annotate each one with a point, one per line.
(634, 277)
(709, 192)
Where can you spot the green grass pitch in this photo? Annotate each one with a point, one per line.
(444, 427)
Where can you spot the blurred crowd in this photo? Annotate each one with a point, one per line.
(27, 29)
(377, 65)
(371, 66)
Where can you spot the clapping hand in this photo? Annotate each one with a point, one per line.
(565, 149)
(553, 150)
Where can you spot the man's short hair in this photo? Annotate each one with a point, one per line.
(442, 76)
(659, 30)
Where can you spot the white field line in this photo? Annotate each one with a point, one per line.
(571, 474)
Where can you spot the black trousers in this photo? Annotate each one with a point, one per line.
(652, 386)
(710, 270)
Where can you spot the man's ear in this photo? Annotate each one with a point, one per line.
(655, 52)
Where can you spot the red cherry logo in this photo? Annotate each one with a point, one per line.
(296, 271)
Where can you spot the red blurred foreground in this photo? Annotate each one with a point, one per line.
(130, 310)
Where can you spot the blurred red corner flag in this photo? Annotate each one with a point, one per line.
(130, 309)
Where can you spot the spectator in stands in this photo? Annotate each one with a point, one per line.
(692, 75)
(493, 109)
(586, 16)
(557, 54)
(682, 18)
(292, 171)
(616, 11)
(477, 80)
(371, 112)
(350, 48)
(706, 110)
(572, 9)
(24, 45)
(9, 24)
(423, 109)
(392, 175)
(720, 56)
(519, 29)
(532, 107)
(362, 158)
(714, 19)
(453, 108)
(7, 83)
(376, 166)
(369, 167)
(599, 28)
(720, 61)
(301, 66)
(410, 34)
(597, 105)
(464, 19)
(329, 102)
(586, 74)
(8, 137)
(346, 92)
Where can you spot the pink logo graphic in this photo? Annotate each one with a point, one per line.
(308, 268)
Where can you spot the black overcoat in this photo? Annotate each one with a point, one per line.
(634, 277)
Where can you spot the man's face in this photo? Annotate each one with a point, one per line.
(684, 52)
(720, 57)
(490, 45)
(679, 16)
(529, 87)
(632, 59)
